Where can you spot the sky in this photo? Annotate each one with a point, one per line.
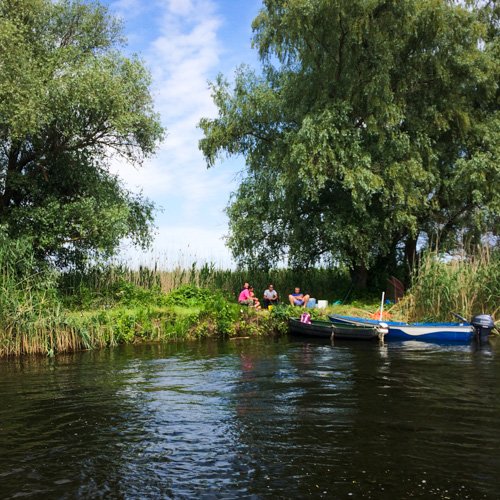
(185, 44)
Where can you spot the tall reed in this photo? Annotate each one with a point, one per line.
(103, 284)
(28, 302)
(467, 284)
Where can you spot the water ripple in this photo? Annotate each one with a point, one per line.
(252, 420)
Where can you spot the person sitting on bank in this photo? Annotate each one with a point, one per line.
(245, 299)
(270, 297)
(298, 298)
(256, 302)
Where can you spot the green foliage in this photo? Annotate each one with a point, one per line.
(130, 294)
(215, 311)
(467, 285)
(321, 282)
(223, 313)
(99, 286)
(283, 312)
(108, 285)
(188, 296)
(373, 124)
(69, 101)
(280, 315)
(27, 289)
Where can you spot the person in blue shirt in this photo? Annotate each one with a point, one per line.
(297, 298)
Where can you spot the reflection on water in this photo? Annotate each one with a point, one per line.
(254, 418)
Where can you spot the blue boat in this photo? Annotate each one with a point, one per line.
(353, 320)
(480, 325)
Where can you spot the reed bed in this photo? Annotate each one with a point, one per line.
(27, 299)
(104, 283)
(72, 331)
(467, 284)
(44, 312)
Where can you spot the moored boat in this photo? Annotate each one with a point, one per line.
(356, 320)
(480, 326)
(328, 329)
(456, 333)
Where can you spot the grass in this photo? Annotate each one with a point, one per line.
(102, 284)
(466, 284)
(43, 312)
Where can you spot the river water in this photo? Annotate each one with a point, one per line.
(253, 418)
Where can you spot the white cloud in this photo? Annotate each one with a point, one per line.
(182, 59)
(182, 62)
(181, 7)
(155, 179)
(183, 54)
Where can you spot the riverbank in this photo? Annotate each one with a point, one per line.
(47, 311)
(186, 313)
(44, 311)
(122, 325)
(137, 315)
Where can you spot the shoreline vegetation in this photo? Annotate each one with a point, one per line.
(382, 165)
(44, 312)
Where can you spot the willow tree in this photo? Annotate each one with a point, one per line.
(69, 102)
(373, 123)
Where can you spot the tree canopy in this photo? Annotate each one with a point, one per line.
(70, 101)
(373, 123)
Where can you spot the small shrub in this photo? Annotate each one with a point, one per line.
(188, 296)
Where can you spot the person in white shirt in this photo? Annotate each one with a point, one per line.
(270, 297)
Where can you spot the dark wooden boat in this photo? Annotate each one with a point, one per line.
(327, 329)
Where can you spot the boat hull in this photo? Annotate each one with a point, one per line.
(439, 333)
(326, 329)
(453, 332)
(355, 320)
(313, 329)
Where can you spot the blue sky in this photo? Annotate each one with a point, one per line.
(186, 43)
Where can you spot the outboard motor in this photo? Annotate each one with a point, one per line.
(483, 324)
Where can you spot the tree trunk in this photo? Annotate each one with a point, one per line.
(10, 192)
(359, 277)
(411, 252)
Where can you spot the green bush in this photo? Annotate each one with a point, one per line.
(188, 296)
(28, 289)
